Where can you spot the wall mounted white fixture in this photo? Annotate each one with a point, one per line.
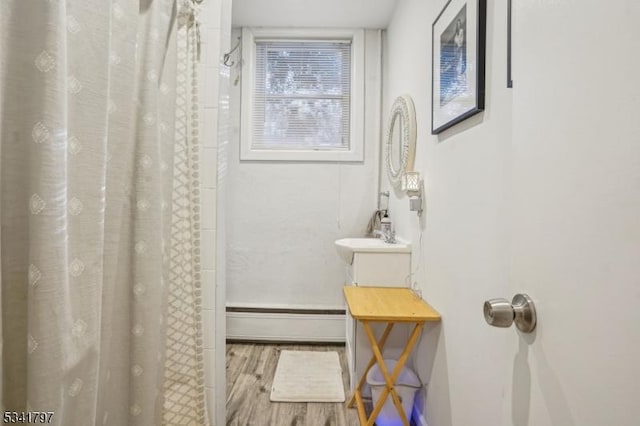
(347, 247)
(412, 184)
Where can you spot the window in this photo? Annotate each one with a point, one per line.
(302, 95)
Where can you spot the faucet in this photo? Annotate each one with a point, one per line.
(389, 237)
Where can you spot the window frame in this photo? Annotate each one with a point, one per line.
(355, 153)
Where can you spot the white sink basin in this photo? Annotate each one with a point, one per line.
(346, 247)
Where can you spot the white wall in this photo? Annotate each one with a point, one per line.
(463, 258)
(214, 109)
(313, 13)
(538, 194)
(283, 217)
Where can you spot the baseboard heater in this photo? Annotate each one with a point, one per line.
(281, 324)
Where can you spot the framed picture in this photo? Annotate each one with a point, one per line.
(458, 57)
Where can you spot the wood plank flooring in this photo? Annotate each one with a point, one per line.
(250, 371)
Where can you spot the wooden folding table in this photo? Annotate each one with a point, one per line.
(392, 306)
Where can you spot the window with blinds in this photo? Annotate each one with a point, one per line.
(302, 95)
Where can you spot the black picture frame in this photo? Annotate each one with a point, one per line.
(458, 52)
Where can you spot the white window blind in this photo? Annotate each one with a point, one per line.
(302, 95)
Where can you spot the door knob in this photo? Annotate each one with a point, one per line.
(521, 310)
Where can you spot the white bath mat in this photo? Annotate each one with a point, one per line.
(305, 376)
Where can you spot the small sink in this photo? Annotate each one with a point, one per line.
(346, 247)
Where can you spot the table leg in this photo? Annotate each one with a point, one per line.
(404, 356)
(389, 389)
(390, 379)
(363, 379)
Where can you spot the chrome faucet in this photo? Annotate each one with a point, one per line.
(388, 237)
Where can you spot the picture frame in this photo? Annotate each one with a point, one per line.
(458, 63)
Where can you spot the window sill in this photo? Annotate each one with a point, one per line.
(291, 155)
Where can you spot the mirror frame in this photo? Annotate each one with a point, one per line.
(404, 110)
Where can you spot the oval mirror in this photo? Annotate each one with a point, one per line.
(395, 144)
(400, 142)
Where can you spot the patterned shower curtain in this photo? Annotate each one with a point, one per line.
(184, 370)
(88, 235)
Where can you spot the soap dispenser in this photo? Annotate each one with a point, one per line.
(385, 227)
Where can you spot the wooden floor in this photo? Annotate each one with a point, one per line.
(250, 371)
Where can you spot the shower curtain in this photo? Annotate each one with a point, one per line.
(92, 219)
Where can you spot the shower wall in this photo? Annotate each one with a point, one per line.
(215, 33)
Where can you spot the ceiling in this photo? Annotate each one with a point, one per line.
(313, 13)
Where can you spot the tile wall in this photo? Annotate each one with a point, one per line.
(215, 30)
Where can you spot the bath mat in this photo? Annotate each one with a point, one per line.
(305, 376)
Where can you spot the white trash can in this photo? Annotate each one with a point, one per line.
(407, 384)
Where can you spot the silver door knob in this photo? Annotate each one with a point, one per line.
(521, 310)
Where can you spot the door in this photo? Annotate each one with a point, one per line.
(575, 216)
